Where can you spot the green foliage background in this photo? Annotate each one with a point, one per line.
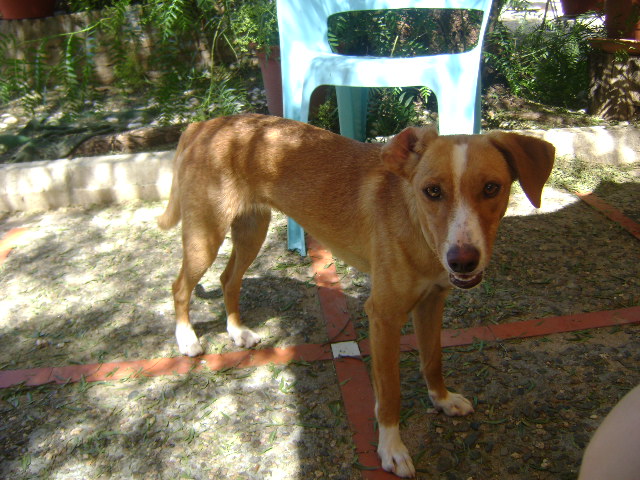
(548, 64)
(201, 49)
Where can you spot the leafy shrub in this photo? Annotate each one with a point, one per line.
(547, 64)
(403, 32)
(182, 32)
(254, 25)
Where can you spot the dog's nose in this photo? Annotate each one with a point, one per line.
(463, 258)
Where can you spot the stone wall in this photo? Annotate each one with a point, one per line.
(47, 185)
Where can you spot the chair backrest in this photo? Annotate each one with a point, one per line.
(304, 23)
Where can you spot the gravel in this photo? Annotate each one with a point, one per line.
(259, 423)
(537, 402)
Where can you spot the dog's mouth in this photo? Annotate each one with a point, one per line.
(465, 281)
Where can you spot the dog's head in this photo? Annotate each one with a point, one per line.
(461, 186)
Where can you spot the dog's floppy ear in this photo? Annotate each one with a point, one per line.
(403, 151)
(530, 158)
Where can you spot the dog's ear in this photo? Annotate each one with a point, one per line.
(403, 151)
(531, 160)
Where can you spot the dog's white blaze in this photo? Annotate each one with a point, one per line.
(464, 226)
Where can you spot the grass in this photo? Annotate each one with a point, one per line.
(578, 175)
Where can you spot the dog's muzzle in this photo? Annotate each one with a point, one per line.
(462, 261)
(465, 281)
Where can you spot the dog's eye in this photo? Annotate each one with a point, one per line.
(433, 192)
(491, 190)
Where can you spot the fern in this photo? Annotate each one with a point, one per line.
(549, 64)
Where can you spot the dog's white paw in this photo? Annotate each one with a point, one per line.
(393, 453)
(454, 404)
(188, 342)
(243, 337)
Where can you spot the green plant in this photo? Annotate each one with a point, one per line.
(255, 25)
(84, 5)
(327, 114)
(405, 32)
(402, 33)
(392, 109)
(547, 64)
(204, 97)
(187, 38)
(11, 80)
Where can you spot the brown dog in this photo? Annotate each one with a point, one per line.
(420, 214)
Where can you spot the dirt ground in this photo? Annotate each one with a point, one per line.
(111, 267)
(537, 403)
(86, 286)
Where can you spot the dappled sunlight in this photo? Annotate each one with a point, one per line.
(86, 181)
(244, 419)
(552, 201)
(95, 285)
(607, 145)
(97, 282)
(100, 281)
(79, 272)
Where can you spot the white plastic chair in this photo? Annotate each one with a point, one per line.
(308, 62)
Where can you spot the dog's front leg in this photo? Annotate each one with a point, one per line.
(427, 321)
(384, 332)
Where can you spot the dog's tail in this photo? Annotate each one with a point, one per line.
(171, 216)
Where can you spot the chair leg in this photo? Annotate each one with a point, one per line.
(297, 109)
(295, 237)
(477, 125)
(352, 111)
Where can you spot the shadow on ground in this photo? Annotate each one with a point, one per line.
(89, 286)
(285, 422)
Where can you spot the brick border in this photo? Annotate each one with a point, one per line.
(309, 352)
(611, 213)
(96, 372)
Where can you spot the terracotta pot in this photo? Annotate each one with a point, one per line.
(571, 8)
(272, 78)
(615, 45)
(622, 19)
(18, 9)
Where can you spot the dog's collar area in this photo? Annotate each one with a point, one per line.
(465, 281)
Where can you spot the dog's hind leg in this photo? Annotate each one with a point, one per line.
(248, 232)
(201, 240)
